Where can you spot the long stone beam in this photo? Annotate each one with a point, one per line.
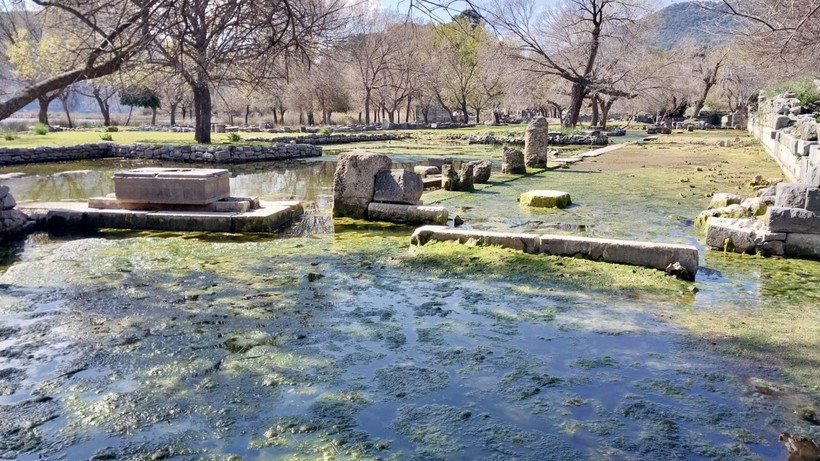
(660, 256)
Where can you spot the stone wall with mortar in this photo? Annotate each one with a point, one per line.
(171, 153)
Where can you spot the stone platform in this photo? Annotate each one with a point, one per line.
(270, 216)
(678, 260)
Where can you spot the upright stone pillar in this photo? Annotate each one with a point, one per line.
(535, 143)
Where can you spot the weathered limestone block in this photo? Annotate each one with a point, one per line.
(528, 243)
(424, 170)
(481, 171)
(398, 186)
(535, 143)
(756, 206)
(791, 195)
(409, 214)
(646, 254)
(512, 161)
(724, 199)
(792, 220)
(732, 234)
(354, 182)
(545, 199)
(803, 245)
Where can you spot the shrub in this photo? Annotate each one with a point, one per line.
(106, 137)
(234, 137)
(9, 136)
(40, 128)
(804, 89)
(112, 129)
(324, 131)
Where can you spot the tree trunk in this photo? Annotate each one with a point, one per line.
(367, 107)
(496, 117)
(105, 110)
(360, 117)
(247, 112)
(202, 112)
(575, 105)
(42, 115)
(407, 114)
(68, 114)
(184, 112)
(174, 113)
(595, 113)
(477, 116)
(275, 118)
(153, 116)
(464, 113)
(130, 110)
(282, 115)
(605, 113)
(310, 119)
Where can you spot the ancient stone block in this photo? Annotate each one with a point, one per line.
(354, 182)
(481, 171)
(782, 121)
(791, 195)
(398, 186)
(545, 199)
(512, 161)
(192, 186)
(535, 143)
(803, 245)
(792, 220)
(731, 234)
(407, 214)
(426, 170)
(7, 201)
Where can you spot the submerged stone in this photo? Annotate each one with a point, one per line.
(545, 199)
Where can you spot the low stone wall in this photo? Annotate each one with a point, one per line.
(317, 140)
(217, 154)
(554, 139)
(186, 154)
(799, 159)
(21, 155)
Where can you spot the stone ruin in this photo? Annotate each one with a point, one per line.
(789, 227)
(512, 161)
(12, 221)
(364, 187)
(536, 141)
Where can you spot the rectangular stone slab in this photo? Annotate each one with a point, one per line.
(792, 220)
(269, 217)
(184, 186)
(647, 254)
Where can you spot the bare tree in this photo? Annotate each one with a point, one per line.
(785, 29)
(565, 41)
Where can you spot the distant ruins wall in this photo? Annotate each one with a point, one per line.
(171, 153)
(789, 138)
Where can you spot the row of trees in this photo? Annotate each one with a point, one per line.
(307, 56)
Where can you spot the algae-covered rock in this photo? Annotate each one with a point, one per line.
(545, 199)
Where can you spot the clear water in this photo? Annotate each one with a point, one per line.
(196, 346)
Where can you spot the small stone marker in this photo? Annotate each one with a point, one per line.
(545, 199)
